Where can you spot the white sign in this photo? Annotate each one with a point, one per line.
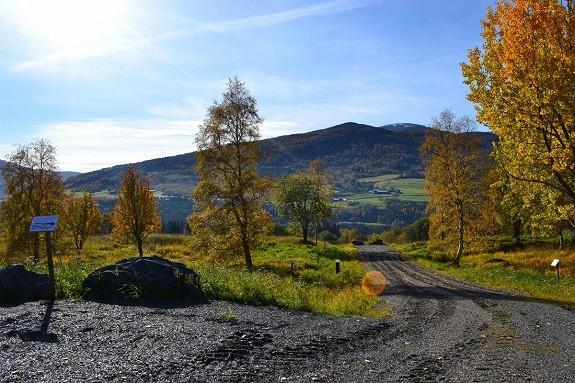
(43, 223)
(555, 263)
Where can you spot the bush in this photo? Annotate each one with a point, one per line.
(348, 235)
(327, 236)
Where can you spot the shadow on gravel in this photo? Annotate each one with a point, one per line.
(155, 304)
(41, 335)
(449, 293)
(441, 293)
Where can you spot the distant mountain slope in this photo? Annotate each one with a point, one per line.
(349, 151)
(64, 174)
(67, 174)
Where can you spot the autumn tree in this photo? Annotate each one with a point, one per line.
(522, 82)
(455, 169)
(81, 218)
(33, 188)
(323, 188)
(229, 218)
(136, 214)
(303, 199)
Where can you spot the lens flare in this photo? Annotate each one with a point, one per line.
(373, 283)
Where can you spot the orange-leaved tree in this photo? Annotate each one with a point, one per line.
(229, 218)
(81, 218)
(135, 214)
(522, 82)
(456, 181)
(33, 188)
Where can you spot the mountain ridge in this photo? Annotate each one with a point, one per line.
(349, 150)
(64, 174)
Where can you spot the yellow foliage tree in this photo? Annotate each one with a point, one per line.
(455, 180)
(229, 218)
(135, 215)
(33, 188)
(522, 82)
(81, 218)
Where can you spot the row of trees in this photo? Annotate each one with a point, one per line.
(34, 188)
(229, 216)
(522, 82)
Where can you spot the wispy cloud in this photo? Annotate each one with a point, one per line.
(86, 145)
(132, 40)
(94, 144)
(276, 18)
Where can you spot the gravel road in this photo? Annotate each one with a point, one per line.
(441, 330)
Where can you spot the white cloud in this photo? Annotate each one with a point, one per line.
(87, 145)
(282, 17)
(70, 31)
(94, 144)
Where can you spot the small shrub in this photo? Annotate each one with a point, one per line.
(327, 236)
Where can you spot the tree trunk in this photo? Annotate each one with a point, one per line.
(304, 232)
(561, 242)
(140, 248)
(36, 248)
(247, 255)
(460, 244)
(517, 232)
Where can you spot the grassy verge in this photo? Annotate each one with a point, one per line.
(312, 286)
(526, 271)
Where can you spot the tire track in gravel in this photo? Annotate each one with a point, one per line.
(410, 291)
(483, 339)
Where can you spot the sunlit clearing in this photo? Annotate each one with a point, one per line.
(68, 26)
(373, 283)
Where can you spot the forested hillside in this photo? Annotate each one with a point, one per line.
(349, 151)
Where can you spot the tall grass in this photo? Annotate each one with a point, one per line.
(526, 271)
(312, 285)
(267, 288)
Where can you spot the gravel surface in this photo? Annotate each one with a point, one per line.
(441, 330)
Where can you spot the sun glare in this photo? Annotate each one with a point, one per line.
(69, 26)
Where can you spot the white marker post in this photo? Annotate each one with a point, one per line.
(47, 224)
(555, 264)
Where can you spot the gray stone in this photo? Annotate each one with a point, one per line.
(20, 285)
(143, 278)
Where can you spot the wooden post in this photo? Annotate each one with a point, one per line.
(50, 265)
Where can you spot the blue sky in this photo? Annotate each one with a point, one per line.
(117, 81)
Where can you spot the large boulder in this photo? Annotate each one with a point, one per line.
(20, 285)
(143, 278)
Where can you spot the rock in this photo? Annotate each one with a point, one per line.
(500, 261)
(20, 285)
(377, 242)
(143, 278)
(357, 242)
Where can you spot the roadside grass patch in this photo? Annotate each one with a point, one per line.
(528, 271)
(312, 286)
(268, 288)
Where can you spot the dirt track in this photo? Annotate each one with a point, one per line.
(459, 332)
(441, 330)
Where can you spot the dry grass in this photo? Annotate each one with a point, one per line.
(527, 271)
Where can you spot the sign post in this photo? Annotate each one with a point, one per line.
(47, 224)
(555, 264)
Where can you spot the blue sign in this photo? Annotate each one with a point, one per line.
(43, 223)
